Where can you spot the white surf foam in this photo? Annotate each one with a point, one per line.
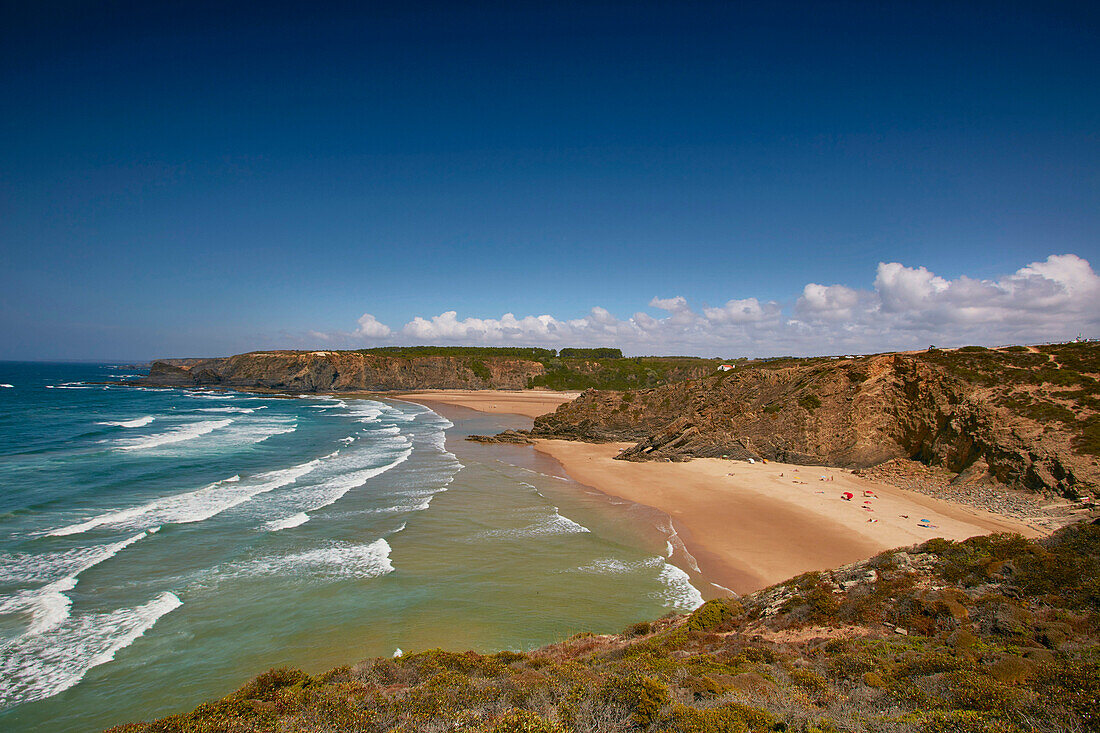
(679, 593)
(48, 605)
(258, 432)
(7, 386)
(333, 562)
(554, 524)
(38, 666)
(294, 520)
(339, 474)
(175, 435)
(332, 489)
(676, 543)
(240, 410)
(613, 566)
(198, 505)
(365, 411)
(135, 423)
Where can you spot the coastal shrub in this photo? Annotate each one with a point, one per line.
(979, 691)
(809, 402)
(511, 352)
(962, 721)
(714, 615)
(811, 682)
(772, 408)
(518, 720)
(508, 657)
(1076, 685)
(265, 685)
(639, 629)
(857, 375)
(599, 353)
(731, 717)
(642, 696)
(972, 349)
(480, 370)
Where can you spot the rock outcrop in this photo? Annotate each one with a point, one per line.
(344, 371)
(991, 416)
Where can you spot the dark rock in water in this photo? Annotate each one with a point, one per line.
(515, 437)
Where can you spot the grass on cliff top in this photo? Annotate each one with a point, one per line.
(640, 372)
(1002, 638)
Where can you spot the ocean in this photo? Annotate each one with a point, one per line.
(160, 547)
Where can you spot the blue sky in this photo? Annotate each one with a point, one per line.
(179, 178)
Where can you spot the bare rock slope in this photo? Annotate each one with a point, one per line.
(1027, 417)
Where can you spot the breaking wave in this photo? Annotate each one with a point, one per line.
(339, 560)
(37, 666)
(175, 435)
(139, 422)
(48, 605)
(195, 506)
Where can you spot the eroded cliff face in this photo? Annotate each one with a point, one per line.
(849, 413)
(331, 371)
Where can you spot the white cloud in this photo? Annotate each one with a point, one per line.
(746, 310)
(906, 307)
(370, 327)
(830, 303)
(904, 288)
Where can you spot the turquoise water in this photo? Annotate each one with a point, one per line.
(160, 547)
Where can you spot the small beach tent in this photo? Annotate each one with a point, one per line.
(847, 496)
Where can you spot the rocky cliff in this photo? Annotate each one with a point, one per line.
(1027, 417)
(341, 371)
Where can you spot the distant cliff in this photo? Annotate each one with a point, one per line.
(1023, 417)
(343, 371)
(406, 368)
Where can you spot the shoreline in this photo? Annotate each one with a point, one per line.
(746, 526)
(750, 526)
(527, 403)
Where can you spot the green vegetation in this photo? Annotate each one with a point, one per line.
(1054, 383)
(591, 353)
(1001, 637)
(809, 402)
(508, 352)
(640, 372)
(480, 369)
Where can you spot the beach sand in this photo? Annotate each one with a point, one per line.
(749, 525)
(529, 403)
(753, 525)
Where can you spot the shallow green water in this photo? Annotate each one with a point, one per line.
(150, 567)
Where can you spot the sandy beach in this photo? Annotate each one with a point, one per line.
(529, 403)
(752, 525)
